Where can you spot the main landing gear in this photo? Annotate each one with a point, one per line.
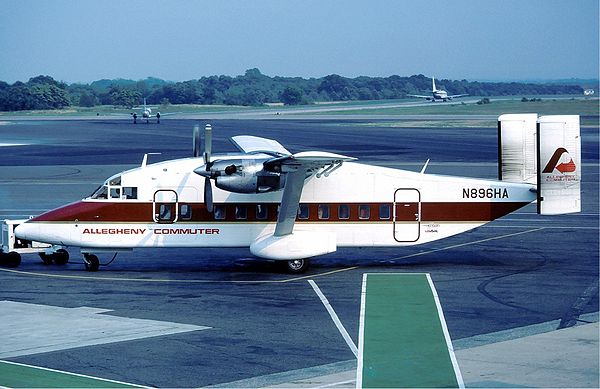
(297, 266)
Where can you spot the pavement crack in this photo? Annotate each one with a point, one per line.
(571, 317)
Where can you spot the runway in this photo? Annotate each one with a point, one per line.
(518, 271)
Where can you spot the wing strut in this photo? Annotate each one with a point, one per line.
(294, 183)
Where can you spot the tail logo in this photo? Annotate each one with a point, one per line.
(562, 166)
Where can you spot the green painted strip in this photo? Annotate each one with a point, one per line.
(24, 376)
(403, 341)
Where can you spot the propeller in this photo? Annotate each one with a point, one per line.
(196, 139)
(208, 195)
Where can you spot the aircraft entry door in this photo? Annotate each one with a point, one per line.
(407, 215)
(165, 206)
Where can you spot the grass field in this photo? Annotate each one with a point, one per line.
(584, 107)
(588, 109)
(108, 110)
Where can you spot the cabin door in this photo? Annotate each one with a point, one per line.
(164, 207)
(407, 215)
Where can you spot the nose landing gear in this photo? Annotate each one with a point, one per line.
(91, 262)
(59, 257)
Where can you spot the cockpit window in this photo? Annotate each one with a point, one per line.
(130, 192)
(115, 192)
(100, 193)
(115, 181)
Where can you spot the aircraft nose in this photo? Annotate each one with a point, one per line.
(26, 231)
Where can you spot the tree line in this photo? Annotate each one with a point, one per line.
(251, 89)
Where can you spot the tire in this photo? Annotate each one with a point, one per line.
(296, 266)
(92, 263)
(12, 259)
(61, 257)
(46, 259)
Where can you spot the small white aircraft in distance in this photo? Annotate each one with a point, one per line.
(437, 94)
(290, 207)
(146, 113)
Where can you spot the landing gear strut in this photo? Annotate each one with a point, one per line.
(91, 262)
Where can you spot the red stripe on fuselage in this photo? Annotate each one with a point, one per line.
(134, 212)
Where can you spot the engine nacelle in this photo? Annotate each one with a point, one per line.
(245, 176)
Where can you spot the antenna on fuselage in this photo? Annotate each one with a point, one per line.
(145, 159)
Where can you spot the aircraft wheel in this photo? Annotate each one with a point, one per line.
(297, 266)
(12, 259)
(91, 262)
(47, 259)
(61, 257)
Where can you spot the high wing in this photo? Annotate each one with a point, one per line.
(298, 167)
(255, 144)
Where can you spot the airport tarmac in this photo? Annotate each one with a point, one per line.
(185, 317)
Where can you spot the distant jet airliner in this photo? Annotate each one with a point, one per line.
(437, 94)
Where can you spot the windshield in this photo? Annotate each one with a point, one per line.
(100, 193)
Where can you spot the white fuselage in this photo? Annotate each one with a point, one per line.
(162, 205)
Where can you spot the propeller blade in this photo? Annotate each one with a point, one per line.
(208, 195)
(196, 140)
(207, 144)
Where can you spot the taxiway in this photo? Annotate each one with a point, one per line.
(519, 272)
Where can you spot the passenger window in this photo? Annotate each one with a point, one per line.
(303, 211)
(220, 213)
(185, 212)
(241, 212)
(164, 212)
(261, 212)
(344, 211)
(364, 211)
(130, 193)
(384, 212)
(323, 211)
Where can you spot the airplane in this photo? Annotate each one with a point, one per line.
(437, 94)
(290, 207)
(146, 113)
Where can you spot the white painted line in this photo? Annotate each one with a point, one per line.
(335, 384)
(73, 374)
(468, 243)
(457, 372)
(361, 332)
(335, 318)
(546, 228)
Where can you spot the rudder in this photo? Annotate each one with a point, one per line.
(546, 152)
(559, 159)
